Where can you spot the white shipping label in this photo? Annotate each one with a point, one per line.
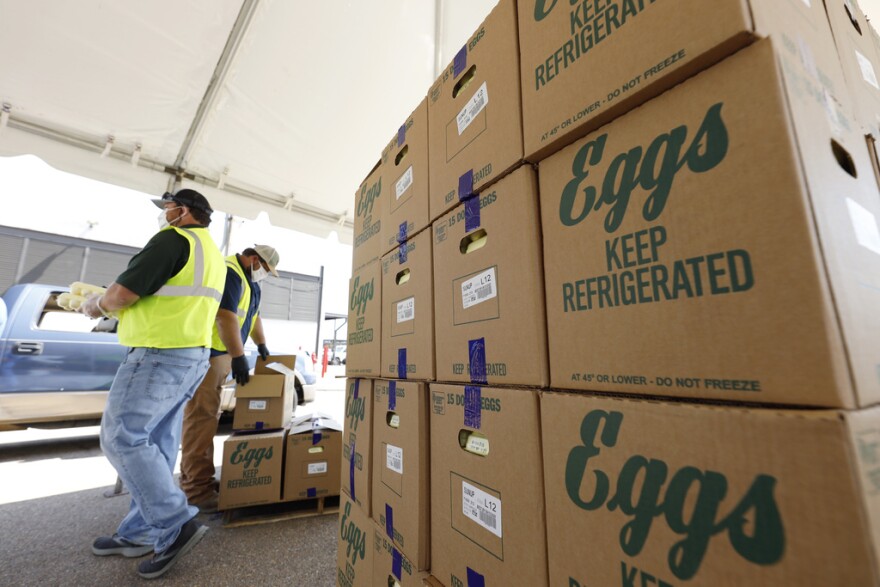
(394, 458)
(470, 111)
(318, 468)
(406, 310)
(865, 225)
(482, 508)
(867, 70)
(478, 289)
(257, 404)
(404, 182)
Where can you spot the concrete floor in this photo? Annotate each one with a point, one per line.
(52, 506)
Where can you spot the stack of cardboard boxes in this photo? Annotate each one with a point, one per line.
(632, 201)
(272, 457)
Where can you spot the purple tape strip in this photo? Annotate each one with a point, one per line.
(389, 521)
(401, 135)
(311, 492)
(466, 185)
(316, 438)
(460, 62)
(472, 406)
(472, 214)
(392, 396)
(401, 363)
(402, 253)
(351, 471)
(357, 384)
(475, 579)
(477, 360)
(396, 560)
(401, 233)
(258, 426)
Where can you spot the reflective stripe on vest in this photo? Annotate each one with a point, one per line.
(181, 313)
(243, 304)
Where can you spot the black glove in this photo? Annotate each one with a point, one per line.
(263, 350)
(240, 370)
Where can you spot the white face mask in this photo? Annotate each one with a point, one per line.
(163, 221)
(259, 274)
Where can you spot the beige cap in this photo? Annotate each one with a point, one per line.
(269, 255)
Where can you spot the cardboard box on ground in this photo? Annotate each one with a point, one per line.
(266, 401)
(357, 443)
(719, 242)
(355, 548)
(365, 321)
(390, 565)
(674, 493)
(312, 457)
(488, 286)
(474, 113)
(405, 168)
(251, 473)
(408, 310)
(586, 63)
(401, 466)
(487, 495)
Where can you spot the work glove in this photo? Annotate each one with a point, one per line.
(240, 370)
(263, 350)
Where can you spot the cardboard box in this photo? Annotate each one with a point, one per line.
(741, 258)
(312, 458)
(251, 470)
(408, 314)
(265, 403)
(488, 294)
(357, 439)
(681, 494)
(586, 63)
(354, 552)
(390, 565)
(401, 467)
(369, 202)
(859, 58)
(405, 165)
(475, 113)
(365, 321)
(487, 495)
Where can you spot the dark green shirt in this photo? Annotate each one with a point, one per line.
(162, 258)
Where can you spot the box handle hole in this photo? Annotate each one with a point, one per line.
(402, 277)
(392, 419)
(316, 450)
(844, 159)
(474, 241)
(850, 12)
(402, 155)
(473, 442)
(465, 81)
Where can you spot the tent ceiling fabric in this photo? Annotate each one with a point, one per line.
(265, 105)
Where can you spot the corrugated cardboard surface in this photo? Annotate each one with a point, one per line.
(491, 142)
(390, 565)
(365, 321)
(312, 464)
(264, 403)
(401, 467)
(585, 63)
(408, 310)
(673, 494)
(704, 275)
(357, 442)
(355, 549)
(494, 292)
(405, 168)
(370, 200)
(502, 490)
(251, 473)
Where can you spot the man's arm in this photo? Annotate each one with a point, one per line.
(257, 333)
(227, 328)
(117, 297)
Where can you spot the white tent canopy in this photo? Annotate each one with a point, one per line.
(280, 106)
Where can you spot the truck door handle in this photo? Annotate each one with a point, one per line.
(28, 348)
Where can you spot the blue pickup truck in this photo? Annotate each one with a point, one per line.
(56, 366)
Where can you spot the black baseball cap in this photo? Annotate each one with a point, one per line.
(185, 197)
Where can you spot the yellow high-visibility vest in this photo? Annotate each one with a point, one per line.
(181, 313)
(243, 304)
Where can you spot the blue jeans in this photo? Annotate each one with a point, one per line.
(140, 436)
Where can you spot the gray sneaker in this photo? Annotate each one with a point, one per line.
(161, 563)
(110, 545)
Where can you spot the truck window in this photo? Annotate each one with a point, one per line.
(64, 321)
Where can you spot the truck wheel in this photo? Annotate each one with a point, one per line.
(300, 394)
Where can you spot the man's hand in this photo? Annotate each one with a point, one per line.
(240, 370)
(263, 350)
(90, 306)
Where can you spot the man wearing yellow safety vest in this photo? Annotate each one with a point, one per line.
(166, 301)
(237, 319)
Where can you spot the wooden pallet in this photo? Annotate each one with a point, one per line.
(279, 512)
